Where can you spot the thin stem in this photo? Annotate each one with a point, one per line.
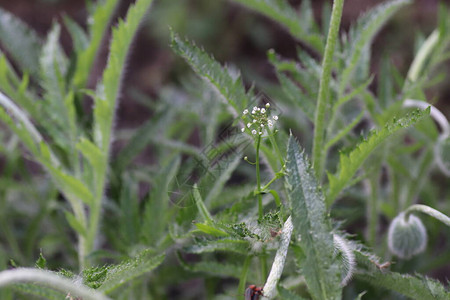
(51, 280)
(319, 118)
(429, 211)
(372, 211)
(243, 277)
(258, 179)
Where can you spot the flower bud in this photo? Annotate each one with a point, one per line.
(407, 236)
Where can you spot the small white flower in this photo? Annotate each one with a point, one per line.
(267, 105)
(245, 111)
(262, 125)
(249, 124)
(253, 112)
(243, 129)
(275, 118)
(270, 123)
(254, 120)
(253, 131)
(255, 108)
(258, 109)
(263, 110)
(260, 132)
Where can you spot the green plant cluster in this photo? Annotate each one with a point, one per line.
(267, 196)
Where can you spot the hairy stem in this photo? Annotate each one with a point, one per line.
(429, 211)
(51, 280)
(319, 118)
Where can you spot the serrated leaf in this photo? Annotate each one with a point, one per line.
(225, 244)
(21, 42)
(41, 263)
(320, 268)
(283, 13)
(416, 287)
(366, 30)
(106, 102)
(97, 28)
(349, 164)
(118, 275)
(229, 87)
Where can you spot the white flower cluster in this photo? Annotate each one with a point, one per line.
(258, 120)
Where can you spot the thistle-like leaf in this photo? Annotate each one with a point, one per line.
(321, 269)
(281, 12)
(416, 287)
(120, 274)
(365, 31)
(228, 86)
(107, 97)
(349, 164)
(97, 28)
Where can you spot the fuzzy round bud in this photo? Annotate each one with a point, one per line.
(407, 236)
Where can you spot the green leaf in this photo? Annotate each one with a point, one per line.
(320, 268)
(142, 137)
(212, 267)
(286, 294)
(416, 287)
(283, 13)
(225, 244)
(41, 263)
(349, 164)
(208, 229)
(107, 98)
(157, 205)
(366, 29)
(93, 154)
(80, 40)
(228, 85)
(204, 213)
(42, 292)
(75, 224)
(20, 41)
(97, 28)
(71, 186)
(129, 270)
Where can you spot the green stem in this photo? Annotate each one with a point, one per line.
(278, 175)
(319, 118)
(372, 212)
(258, 179)
(243, 278)
(429, 211)
(275, 146)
